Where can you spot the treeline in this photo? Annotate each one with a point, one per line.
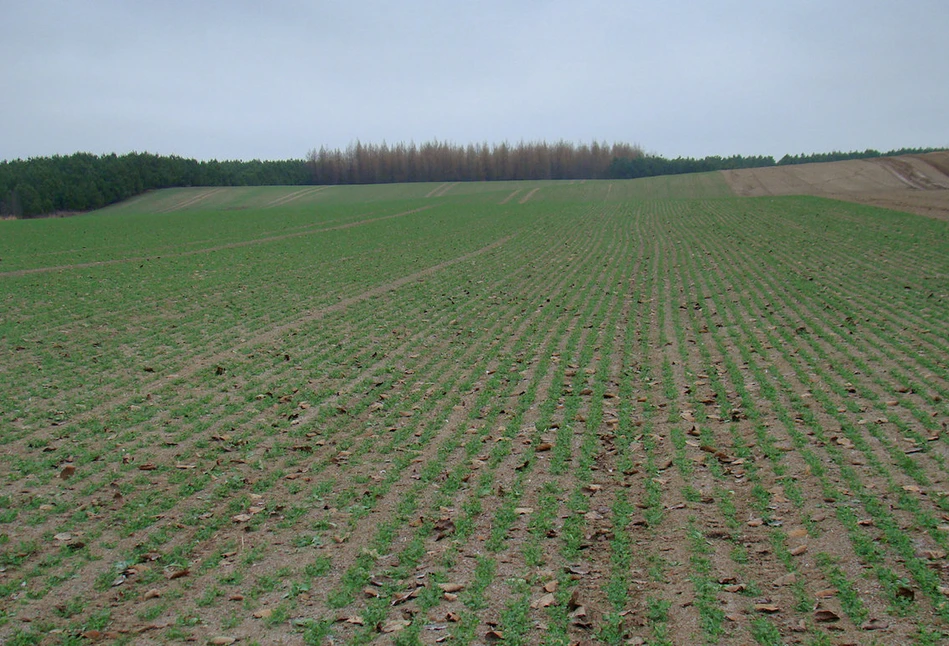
(446, 162)
(83, 182)
(855, 154)
(653, 165)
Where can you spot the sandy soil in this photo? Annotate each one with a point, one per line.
(912, 183)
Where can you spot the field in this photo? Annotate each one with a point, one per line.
(636, 412)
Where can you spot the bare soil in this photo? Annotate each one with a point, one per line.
(911, 183)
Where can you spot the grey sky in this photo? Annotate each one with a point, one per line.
(251, 79)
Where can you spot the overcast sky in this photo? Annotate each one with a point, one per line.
(245, 79)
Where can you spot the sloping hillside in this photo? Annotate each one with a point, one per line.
(913, 183)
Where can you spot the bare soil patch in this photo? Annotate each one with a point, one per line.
(911, 183)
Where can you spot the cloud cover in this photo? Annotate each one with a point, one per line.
(242, 80)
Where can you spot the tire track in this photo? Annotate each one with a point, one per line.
(199, 363)
(440, 190)
(444, 191)
(286, 199)
(509, 197)
(190, 201)
(231, 245)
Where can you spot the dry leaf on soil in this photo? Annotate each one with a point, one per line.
(451, 587)
(545, 601)
(826, 616)
(394, 625)
(874, 624)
